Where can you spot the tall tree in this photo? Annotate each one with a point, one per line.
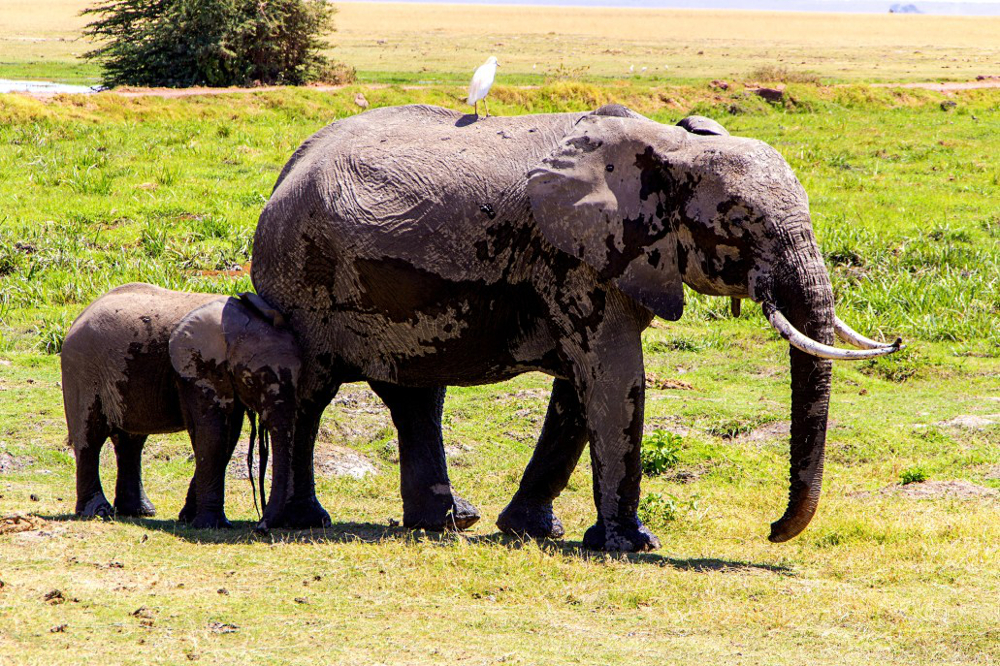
(178, 43)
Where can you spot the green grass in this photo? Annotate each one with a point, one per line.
(97, 191)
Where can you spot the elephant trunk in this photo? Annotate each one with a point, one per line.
(800, 293)
(282, 480)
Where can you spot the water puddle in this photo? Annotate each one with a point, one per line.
(43, 88)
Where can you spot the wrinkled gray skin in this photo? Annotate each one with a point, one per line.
(416, 248)
(142, 360)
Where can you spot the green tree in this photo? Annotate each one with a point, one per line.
(178, 43)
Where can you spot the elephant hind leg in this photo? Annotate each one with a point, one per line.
(428, 499)
(130, 495)
(292, 502)
(564, 434)
(87, 436)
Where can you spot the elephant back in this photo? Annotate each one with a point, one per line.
(117, 351)
(387, 182)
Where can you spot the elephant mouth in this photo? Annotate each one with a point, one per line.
(866, 347)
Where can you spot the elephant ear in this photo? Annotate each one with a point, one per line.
(703, 126)
(601, 197)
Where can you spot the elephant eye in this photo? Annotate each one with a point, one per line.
(609, 168)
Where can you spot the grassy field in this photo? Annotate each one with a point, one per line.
(101, 190)
(409, 43)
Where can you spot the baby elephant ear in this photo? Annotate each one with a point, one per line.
(601, 196)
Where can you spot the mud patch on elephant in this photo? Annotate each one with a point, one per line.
(332, 461)
(928, 490)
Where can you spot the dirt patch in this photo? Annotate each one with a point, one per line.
(530, 394)
(234, 271)
(972, 421)
(8, 463)
(671, 424)
(940, 490)
(665, 384)
(333, 460)
(238, 465)
(356, 416)
(766, 432)
(993, 474)
(951, 86)
(21, 523)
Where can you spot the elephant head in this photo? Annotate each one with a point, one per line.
(240, 348)
(651, 207)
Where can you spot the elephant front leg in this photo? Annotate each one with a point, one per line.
(613, 394)
(130, 495)
(556, 455)
(428, 499)
(213, 427)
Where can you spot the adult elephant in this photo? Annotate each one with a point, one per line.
(415, 248)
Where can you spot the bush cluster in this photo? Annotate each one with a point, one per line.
(180, 43)
(660, 452)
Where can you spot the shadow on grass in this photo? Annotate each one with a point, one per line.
(242, 532)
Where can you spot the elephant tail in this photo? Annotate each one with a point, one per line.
(258, 432)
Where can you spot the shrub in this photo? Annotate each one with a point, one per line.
(179, 43)
(657, 509)
(660, 452)
(913, 475)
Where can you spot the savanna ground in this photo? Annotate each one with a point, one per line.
(905, 191)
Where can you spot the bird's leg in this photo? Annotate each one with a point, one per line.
(487, 108)
(476, 107)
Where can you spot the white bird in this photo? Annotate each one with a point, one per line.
(482, 80)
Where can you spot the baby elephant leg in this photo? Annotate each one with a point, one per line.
(211, 425)
(88, 437)
(130, 496)
(428, 499)
(90, 499)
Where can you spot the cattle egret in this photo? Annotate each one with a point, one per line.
(481, 82)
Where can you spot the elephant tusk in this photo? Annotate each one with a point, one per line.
(852, 337)
(804, 343)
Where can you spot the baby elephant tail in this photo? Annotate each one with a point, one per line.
(263, 443)
(263, 308)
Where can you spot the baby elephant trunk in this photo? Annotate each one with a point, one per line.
(257, 427)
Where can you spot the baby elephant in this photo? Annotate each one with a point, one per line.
(142, 360)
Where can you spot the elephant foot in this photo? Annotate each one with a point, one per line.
(616, 537)
(97, 506)
(298, 516)
(141, 508)
(188, 513)
(211, 521)
(531, 520)
(463, 514)
(442, 512)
